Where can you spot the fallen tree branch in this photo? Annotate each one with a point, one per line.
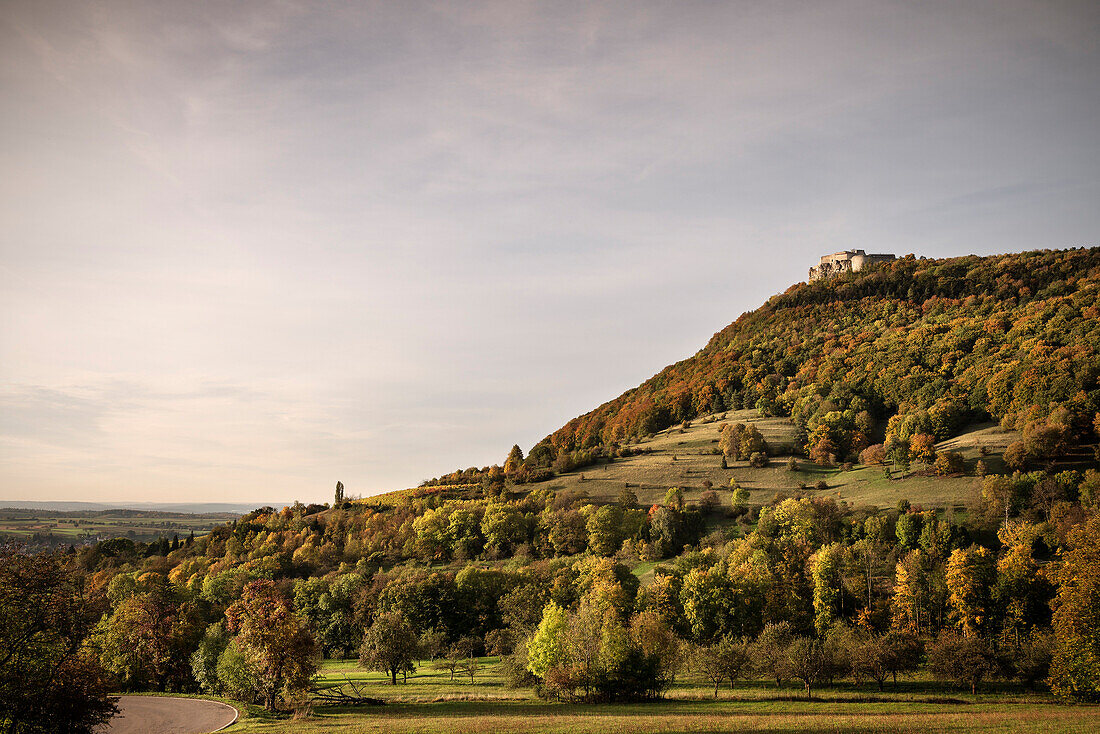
(340, 697)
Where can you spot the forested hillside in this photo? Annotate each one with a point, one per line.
(1014, 338)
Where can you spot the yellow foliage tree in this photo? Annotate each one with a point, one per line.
(1075, 667)
(969, 578)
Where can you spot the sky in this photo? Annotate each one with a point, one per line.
(250, 249)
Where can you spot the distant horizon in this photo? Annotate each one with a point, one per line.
(124, 505)
(251, 249)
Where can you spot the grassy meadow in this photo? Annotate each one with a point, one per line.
(431, 702)
(686, 457)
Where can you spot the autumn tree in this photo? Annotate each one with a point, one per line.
(912, 597)
(769, 651)
(1075, 668)
(514, 460)
(276, 643)
(922, 447)
(1021, 593)
(706, 662)
(969, 577)
(948, 463)
(869, 552)
(654, 638)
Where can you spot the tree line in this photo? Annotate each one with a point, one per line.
(803, 588)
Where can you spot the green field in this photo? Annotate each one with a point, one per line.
(77, 527)
(430, 702)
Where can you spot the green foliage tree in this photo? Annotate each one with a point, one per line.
(808, 661)
(828, 586)
(390, 645)
(147, 638)
(740, 497)
(546, 648)
(908, 529)
(504, 527)
(204, 661)
(48, 680)
(604, 528)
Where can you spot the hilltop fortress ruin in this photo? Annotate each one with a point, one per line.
(848, 261)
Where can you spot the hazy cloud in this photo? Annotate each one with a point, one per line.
(248, 249)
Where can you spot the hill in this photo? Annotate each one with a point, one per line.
(944, 344)
(590, 576)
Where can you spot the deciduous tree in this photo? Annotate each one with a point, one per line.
(389, 645)
(276, 642)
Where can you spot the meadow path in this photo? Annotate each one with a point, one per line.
(161, 715)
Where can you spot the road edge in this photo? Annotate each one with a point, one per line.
(236, 711)
(236, 715)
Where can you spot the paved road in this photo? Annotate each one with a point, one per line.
(160, 715)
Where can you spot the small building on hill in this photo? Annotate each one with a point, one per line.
(848, 261)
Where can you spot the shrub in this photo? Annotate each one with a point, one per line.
(949, 462)
(823, 452)
(1015, 456)
(873, 455)
(758, 459)
(1031, 663)
(821, 484)
(792, 464)
(709, 502)
(965, 660)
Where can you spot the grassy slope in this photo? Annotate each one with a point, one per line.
(430, 702)
(650, 475)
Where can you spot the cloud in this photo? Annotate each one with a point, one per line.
(251, 248)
